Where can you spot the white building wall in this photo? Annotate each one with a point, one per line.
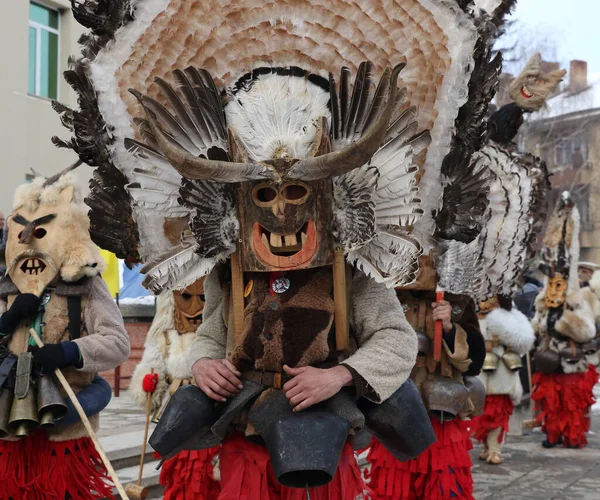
(26, 122)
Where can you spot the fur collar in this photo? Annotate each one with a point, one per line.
(78, 288)
(511, 327)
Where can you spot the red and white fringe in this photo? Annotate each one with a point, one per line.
(35, 468)
(496, 413)
(189, 475)
(247, 474)
(563, 402)
(441, 472)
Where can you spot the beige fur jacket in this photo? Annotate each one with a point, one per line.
(387, 344)
(104, 342)
(165, 350)
(513, 330)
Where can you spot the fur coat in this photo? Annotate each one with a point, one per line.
(514, 331)
(576, 323)
(165, 350)
(386, 343)
(104, 342)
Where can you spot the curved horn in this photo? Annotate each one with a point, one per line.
(51, 180)
(359, 152)
(200, 169)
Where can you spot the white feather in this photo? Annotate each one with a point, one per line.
(277, 115)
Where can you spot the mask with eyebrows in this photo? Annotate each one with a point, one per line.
(48, 236)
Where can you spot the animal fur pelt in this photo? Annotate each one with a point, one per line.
(591, 295)
(577, 320)
(512, 328)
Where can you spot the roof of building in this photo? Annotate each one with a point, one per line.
(567, 103)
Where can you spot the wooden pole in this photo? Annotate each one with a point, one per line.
(144, 443)
(88, 426)
(237, 297)
(531, 423)
(340, 300)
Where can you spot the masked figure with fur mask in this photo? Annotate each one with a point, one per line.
(564, 324)
(53, 285)
(189, 475)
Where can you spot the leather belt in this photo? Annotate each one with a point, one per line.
(276, 380)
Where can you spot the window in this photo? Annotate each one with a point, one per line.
(43, 51)
(571, 152)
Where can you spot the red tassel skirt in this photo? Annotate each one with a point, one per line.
(189, 475)
(247, 474)
(496, 413)
(563, 402)
(441, 472)
(35, 468)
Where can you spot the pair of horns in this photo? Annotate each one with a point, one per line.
(371, 112)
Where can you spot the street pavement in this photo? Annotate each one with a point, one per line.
(528, 472)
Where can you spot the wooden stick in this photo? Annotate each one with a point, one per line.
(237, 298)
(88, 426)
(148, 408)
(340, 300)
(528, 358)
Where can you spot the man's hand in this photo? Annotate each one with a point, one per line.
(53, 356)
(217, 378)
(312, 385)
(442, 311)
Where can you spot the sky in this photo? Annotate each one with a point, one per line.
(572, 26)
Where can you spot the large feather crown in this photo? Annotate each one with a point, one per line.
(181, 99)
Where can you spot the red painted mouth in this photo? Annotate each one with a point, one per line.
(525, 92)
(286, 251)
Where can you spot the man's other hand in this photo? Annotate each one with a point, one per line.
(217, 378)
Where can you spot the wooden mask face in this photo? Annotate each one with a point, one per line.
(189, 305)
(286, 226)
(556, 291)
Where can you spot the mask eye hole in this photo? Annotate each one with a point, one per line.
(186, 296)
(202, 298)
(39, 233)
(264, 196)
(20, 234)
(295, 193)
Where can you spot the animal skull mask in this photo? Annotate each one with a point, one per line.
(48, 237)
(189, 305)
(532, 87)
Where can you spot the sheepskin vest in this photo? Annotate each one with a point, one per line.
(293, 328)
(419, 313)
(55, 329)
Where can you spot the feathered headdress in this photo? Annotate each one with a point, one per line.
(238, 91)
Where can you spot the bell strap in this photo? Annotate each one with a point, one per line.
(276, 380)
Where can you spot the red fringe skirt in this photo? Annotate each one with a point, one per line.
(247, 474)
(35, 468)
(562, 402)
(442, 471)
(189, 475)
(496, 413)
